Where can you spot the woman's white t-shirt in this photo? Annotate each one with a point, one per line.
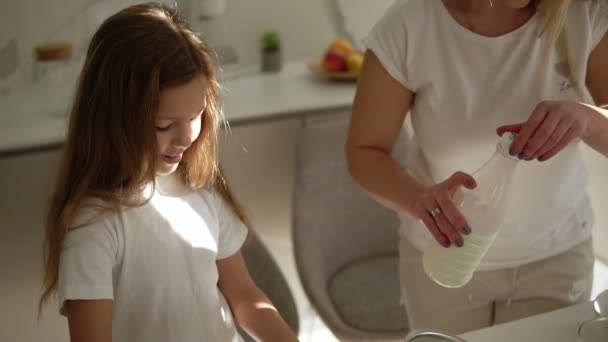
(466, 86)
(157, 263)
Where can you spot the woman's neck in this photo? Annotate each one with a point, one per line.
(489, 19)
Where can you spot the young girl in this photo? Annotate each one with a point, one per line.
(463, 70)
(143, 235)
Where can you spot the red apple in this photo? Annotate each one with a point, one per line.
(334, 61)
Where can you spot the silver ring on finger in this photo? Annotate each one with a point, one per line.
(435, 212)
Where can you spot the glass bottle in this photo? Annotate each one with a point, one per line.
(484, 209)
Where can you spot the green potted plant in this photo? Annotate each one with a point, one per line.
(271, 51)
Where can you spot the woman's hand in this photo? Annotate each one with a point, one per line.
(550, 128)
(437, 210)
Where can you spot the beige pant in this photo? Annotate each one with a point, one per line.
(495, 296)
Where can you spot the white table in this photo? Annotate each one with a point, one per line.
(35, 119)
(555, 326)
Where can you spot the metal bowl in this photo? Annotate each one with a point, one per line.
(595, 330)
(600, 304)
(421, 335)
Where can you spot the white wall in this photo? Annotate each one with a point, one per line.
(304, 26)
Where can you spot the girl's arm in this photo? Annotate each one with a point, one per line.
(597, 83)
(90, 320)
(252, 310)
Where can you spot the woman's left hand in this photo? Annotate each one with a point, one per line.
(550, 128)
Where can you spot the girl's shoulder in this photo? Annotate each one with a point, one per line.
(97, 213)
(213, 199)
(95, 221)
(220, 206)
(94, 211)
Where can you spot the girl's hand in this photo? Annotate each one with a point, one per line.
(550, 128)
(436, 209)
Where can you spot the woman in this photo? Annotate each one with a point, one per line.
(466, 70)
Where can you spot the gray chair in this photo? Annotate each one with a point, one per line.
(268, 277)
(345, 243)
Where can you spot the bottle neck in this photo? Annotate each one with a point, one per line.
(500, 167)
(502, 155)
(503, 159)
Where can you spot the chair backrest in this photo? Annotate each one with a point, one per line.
(334, 221)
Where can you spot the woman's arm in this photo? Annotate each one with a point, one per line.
(89, 320)
(252, 310)
(380, 107)
(597, 82)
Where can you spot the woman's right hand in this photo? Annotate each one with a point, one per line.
(436, 208)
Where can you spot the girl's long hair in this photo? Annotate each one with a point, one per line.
(110, 152)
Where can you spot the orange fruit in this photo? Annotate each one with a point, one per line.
(342, 45)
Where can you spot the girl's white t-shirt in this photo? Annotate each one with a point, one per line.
(157, 263)
(466, 86)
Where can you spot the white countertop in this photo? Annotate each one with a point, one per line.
(292, 91)
(35, 118)
(555, 326)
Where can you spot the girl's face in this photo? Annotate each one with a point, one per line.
(179, 121)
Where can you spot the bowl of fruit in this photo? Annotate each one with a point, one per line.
(341, 61)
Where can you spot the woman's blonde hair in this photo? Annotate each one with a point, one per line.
(554, 14)
(111, 152)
